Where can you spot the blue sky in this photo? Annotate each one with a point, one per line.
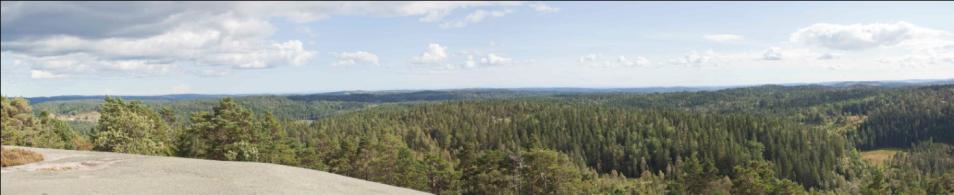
(134, 48)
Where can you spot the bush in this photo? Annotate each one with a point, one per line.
(16, 156)
(131, 127)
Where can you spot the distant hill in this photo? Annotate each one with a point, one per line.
(390, 96)
(100, 97)
(898, 83)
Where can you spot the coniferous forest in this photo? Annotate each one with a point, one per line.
(806, 139)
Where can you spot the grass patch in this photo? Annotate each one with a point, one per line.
(880, 156)
(16, 156)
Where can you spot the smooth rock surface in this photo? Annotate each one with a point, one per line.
(85, 172)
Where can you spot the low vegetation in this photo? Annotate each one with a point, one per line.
(17, 156)
(880, 156)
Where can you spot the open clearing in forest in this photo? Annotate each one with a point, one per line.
(880, 156)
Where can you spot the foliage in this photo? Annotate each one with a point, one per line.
(912, 116)
(758, 177)
(231, 132)
(224, 134)
(754, 140)
(21, 127)
(132, 127)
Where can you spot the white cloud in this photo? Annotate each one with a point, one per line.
(432, 11)
(427, 11)
(434, 54)
(899, 44)
(923, 58)
(723, 38)
(638, 61)
(351, 58)
(40, 74)
(85, 64)
(772, 53)
(437, 57)
(470, 63)
(276, 54)
(150, 18)
(867, 36)
(494, 59)
(697, 59)
(476, 17)
(148, 38)
(542, 7)
(222, 40)
(597, 61)
(479, 15)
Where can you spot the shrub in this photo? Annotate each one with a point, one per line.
(131, 127)
(16, 156)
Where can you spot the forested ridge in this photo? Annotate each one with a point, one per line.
(754, 140)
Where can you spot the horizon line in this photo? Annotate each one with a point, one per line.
(506, 88)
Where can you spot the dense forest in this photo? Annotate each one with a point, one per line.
(753, 140)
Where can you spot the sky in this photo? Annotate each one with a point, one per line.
(153, 48)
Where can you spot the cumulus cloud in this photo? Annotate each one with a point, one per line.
(598, 61)
(437, 57)
(199, 37)
(723, 38)
(194, 38)
(358, 57)
(900, 44)
(132, 19)
(867, 36)
(224, 41)
(433, 54)
(772, 53)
